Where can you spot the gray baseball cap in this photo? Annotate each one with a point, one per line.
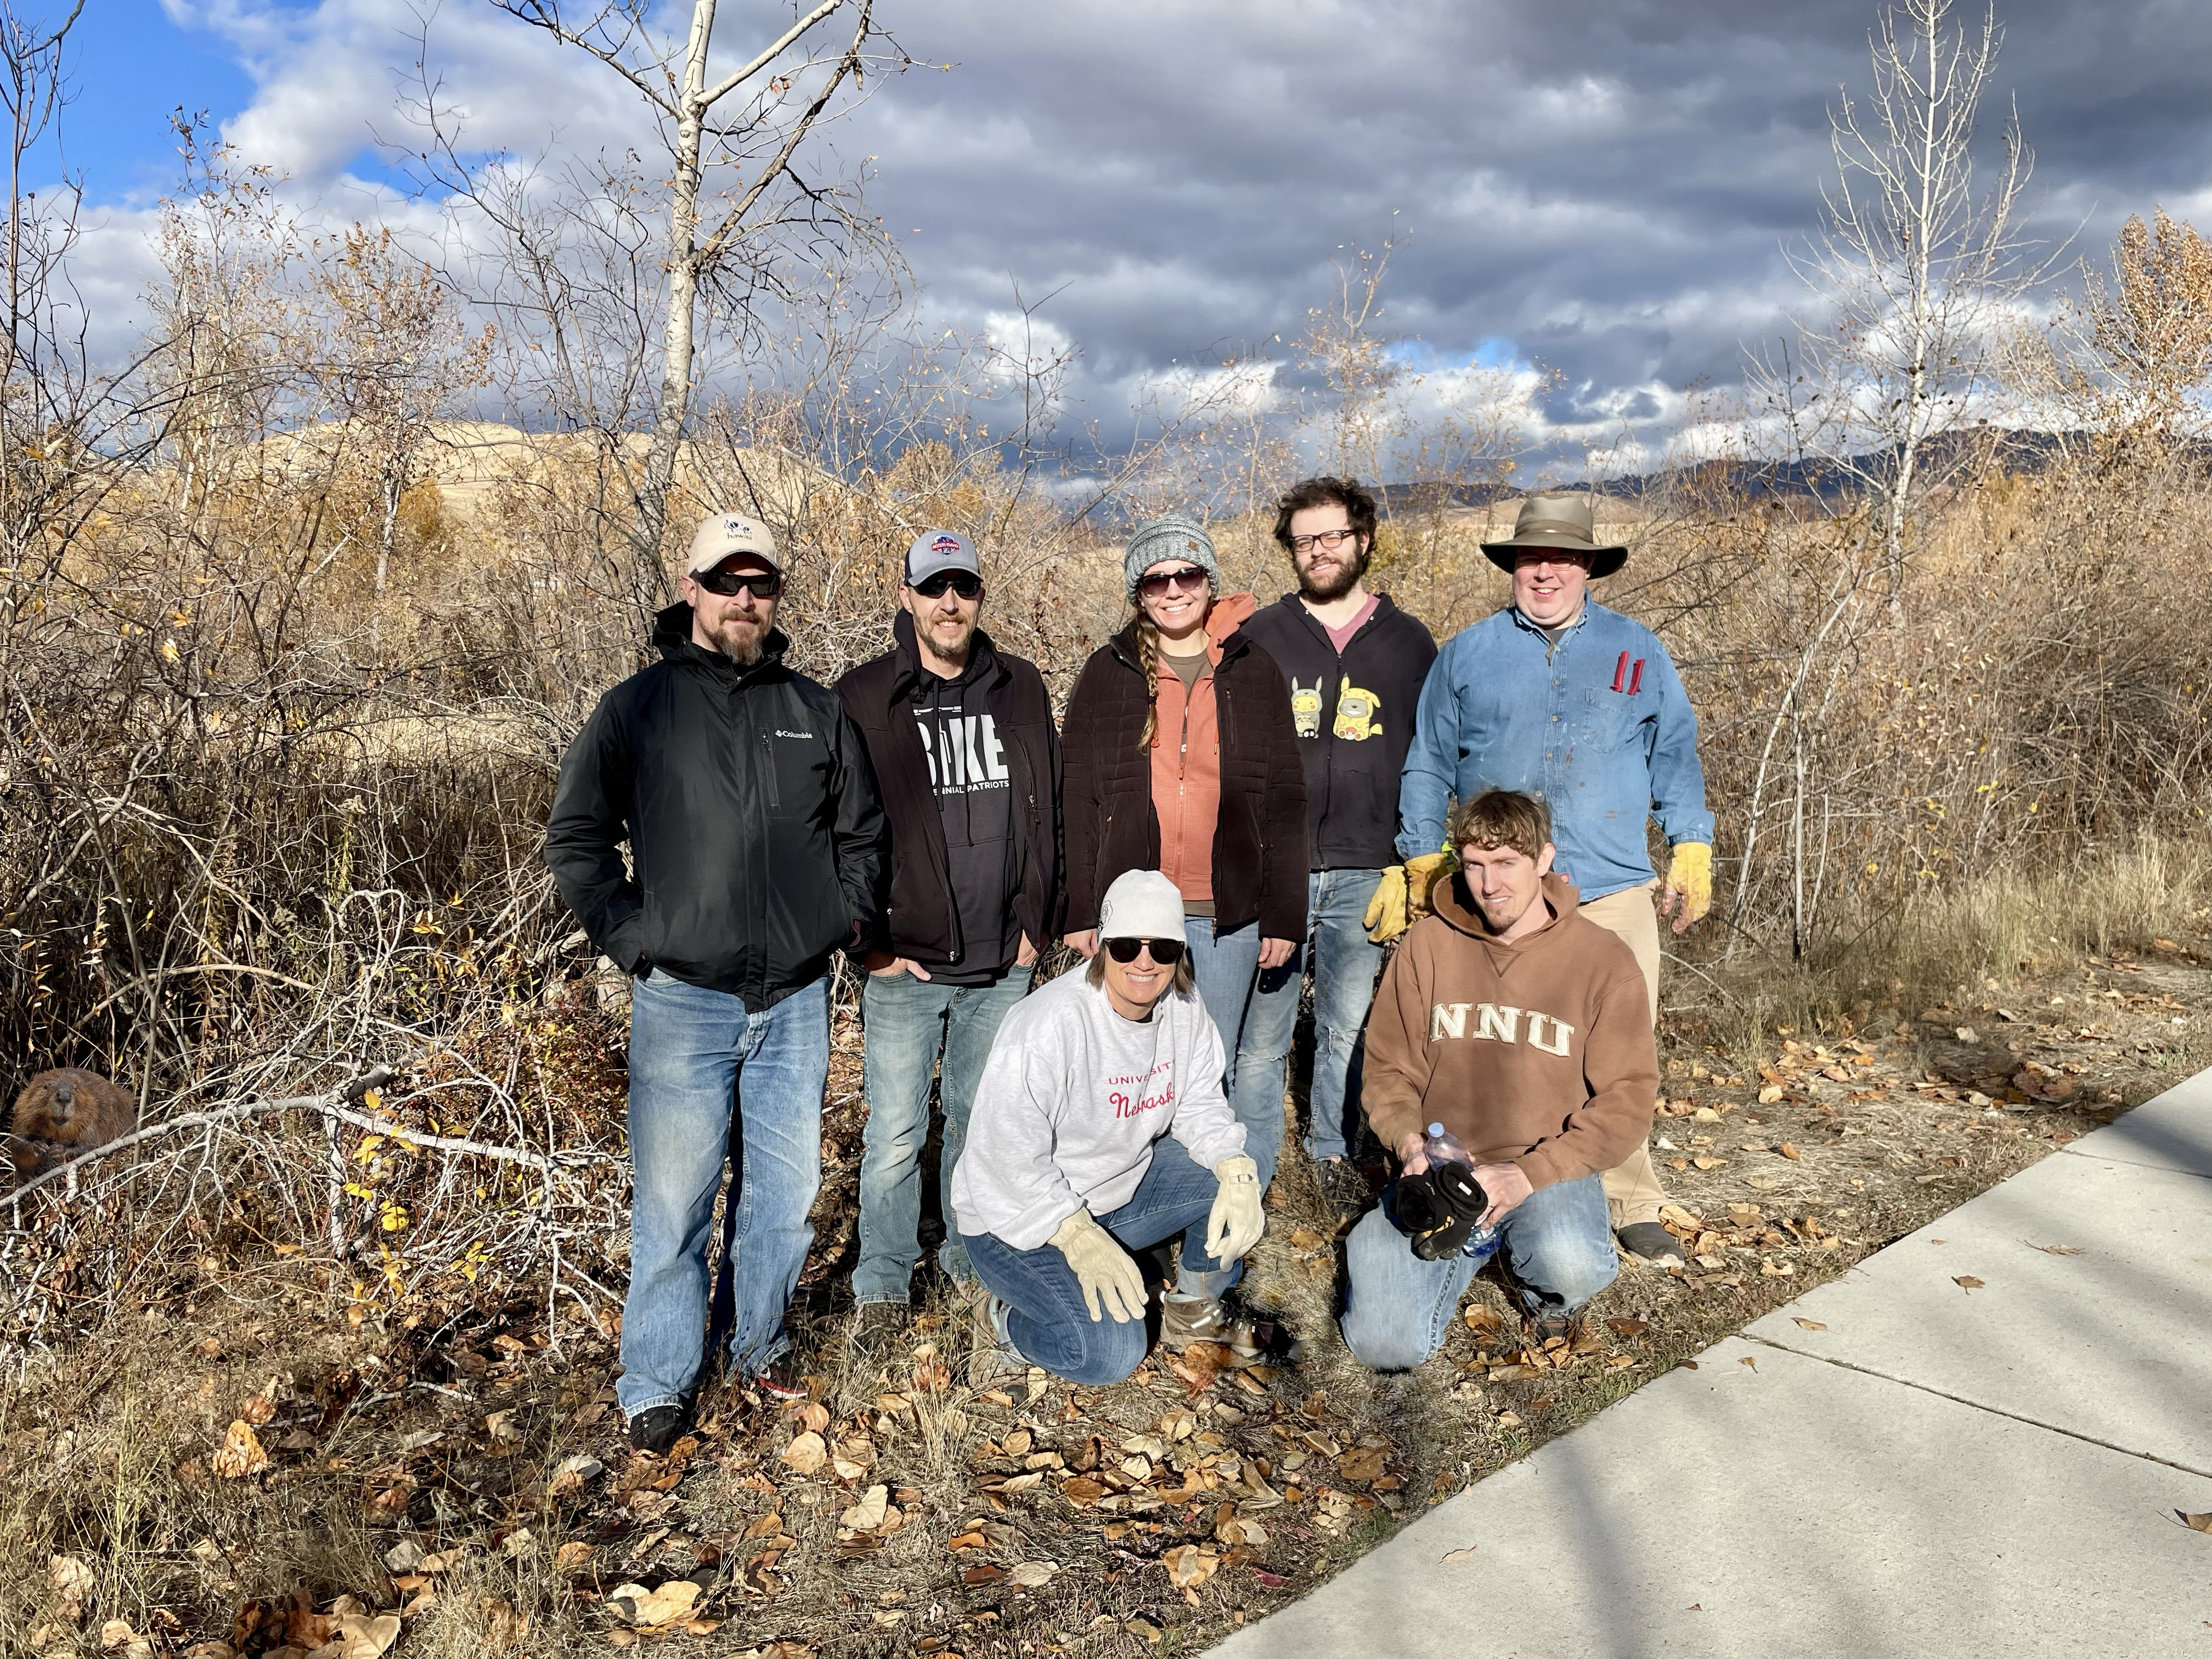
(939, 549)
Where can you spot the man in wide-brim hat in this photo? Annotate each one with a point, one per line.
(1558, 696)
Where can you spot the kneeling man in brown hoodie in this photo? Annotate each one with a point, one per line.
(1523, 1030)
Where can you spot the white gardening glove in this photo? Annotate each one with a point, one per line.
(1112, 1282)
(1237, 1221)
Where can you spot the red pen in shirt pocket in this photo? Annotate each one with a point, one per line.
(1635, 678)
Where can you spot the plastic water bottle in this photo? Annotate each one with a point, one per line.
(1442, 1145)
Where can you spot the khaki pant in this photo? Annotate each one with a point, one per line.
(1633, 1192)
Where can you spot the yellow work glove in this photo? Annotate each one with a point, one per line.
(1236, 1221)
(1402, 896)
(1689, 882)
(1112, 1282)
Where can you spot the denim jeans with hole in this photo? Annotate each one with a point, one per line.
(692, 1053)
(1049, 1321)
(907, 1021)
(1345, 962)
(1557, 1241)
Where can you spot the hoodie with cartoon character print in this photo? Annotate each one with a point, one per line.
(1354, 710)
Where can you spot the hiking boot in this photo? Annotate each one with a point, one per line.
(1648, 1240)
(877, 1326)
(1542, 1328)
(658, 1427)
(993, 1355)
(1252, 1339)
(783, 1377)
(1343, 1188)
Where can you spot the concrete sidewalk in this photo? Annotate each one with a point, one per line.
(1932, 1469)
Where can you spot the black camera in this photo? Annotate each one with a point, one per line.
(1437, 1208)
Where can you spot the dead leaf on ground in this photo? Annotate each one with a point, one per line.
(868, 1514)
(1787, 1151)
(1033, 1575)
(72, 1582)
(1807, 1324)
(641, 1606)
(807, 1454)
(241, 1453)
(1189, 1565)
(1483, 1319)
(1628, 1326)
(1968, 1282)
(1771, 1095)
(1450, 1556)
(573, 1554)
(2053, 1249)
(2195, 1522)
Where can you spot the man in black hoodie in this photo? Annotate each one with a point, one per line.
(759, 849)
(1355, 663)
(961, 739)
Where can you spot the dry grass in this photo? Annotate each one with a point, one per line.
(446, 1423)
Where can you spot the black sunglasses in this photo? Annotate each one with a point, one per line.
(1190, 576)
(1165, 952)
(966, 583)
(762, 584)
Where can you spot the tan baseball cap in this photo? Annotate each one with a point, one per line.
(721, 534)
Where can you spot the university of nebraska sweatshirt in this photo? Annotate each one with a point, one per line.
(1538, 1052)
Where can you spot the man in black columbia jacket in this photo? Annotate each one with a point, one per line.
(961, 738)
(758, 848)
(1355, 663)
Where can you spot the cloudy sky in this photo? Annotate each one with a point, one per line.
(1604, 187)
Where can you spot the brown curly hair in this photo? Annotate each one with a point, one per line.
(1349, 493)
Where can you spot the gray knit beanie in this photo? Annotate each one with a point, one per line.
(1170, 536)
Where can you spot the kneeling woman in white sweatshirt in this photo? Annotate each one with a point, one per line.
(1099, 1127)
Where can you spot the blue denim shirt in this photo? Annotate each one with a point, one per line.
(1604, 745)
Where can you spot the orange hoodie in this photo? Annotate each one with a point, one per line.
(1187, 758)
(1538, 1052)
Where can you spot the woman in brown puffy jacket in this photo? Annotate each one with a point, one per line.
(1182, 756)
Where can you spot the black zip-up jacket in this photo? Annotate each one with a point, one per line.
(1355, 715)
(1260, 829)
(923, 922)
(751, 813)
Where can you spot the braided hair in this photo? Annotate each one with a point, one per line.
(1148, 665)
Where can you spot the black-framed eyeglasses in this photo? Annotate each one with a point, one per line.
(1165, 952)
(760, 583)
(1329, 541)
(1154, 583)
(966, 583)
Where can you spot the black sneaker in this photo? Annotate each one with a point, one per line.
(658, 1427)
(1648, 1240)
(1343, 1187)
(783, 1377)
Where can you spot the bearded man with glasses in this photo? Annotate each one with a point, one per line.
(1101, 1127)
(757, 849)
(966, 757)
(1354, 663)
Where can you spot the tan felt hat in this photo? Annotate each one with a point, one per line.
(721, 534)
(1562, 521)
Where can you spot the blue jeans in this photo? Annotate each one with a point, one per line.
(907, 1020)
(1227, 967)
(1557, 1241)
(1345, 962)
(1048, 1320)
(691, 1051)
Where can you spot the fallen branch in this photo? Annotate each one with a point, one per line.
(329, 1105)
